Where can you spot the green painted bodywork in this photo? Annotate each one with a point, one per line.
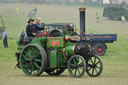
(61, 61)
(53, 59)
(36, 40)
(57, 59)
(70, 48)
(40, 41)
(55, 42)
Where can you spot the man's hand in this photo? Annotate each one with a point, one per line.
(34, 34)
(46, 28)
(41, 31)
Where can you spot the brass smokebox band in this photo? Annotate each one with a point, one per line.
(82, 9)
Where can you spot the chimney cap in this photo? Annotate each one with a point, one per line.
(82, 9)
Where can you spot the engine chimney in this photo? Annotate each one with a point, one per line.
(82, 23)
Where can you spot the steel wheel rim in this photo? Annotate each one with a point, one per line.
(57, 71)
(94, 66)
(31, 60)
(76, 66)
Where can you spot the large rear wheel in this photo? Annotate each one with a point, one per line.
(76, 66)
(33, 60)
(55, 72)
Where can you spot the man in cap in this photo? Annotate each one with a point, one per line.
(31, 29)
(5, 42)
(39, 27)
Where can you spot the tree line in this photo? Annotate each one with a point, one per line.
(50, 1)
(88, 2)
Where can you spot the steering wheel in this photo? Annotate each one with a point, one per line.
(42, 34)
(55, 33)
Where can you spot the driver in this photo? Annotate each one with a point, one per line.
(31, 29)
(68, 29)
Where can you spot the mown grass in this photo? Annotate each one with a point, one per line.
(115, 60)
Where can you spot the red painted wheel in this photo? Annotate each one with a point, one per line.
(99, 49)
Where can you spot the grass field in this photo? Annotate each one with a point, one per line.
(115, 71)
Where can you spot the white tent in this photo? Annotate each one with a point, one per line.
(106, 2)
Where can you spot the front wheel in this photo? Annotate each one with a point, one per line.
(94, 66)
(76, 66)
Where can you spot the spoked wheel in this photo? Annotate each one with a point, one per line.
(55, 72)
(76, 66)
(33, 60)
(94, 66)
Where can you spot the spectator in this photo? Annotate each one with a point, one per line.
(123, 19)
(22, 36)
(98, 17)
(5, 42)
(17, 11)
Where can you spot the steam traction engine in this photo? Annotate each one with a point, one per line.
(54, 54)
